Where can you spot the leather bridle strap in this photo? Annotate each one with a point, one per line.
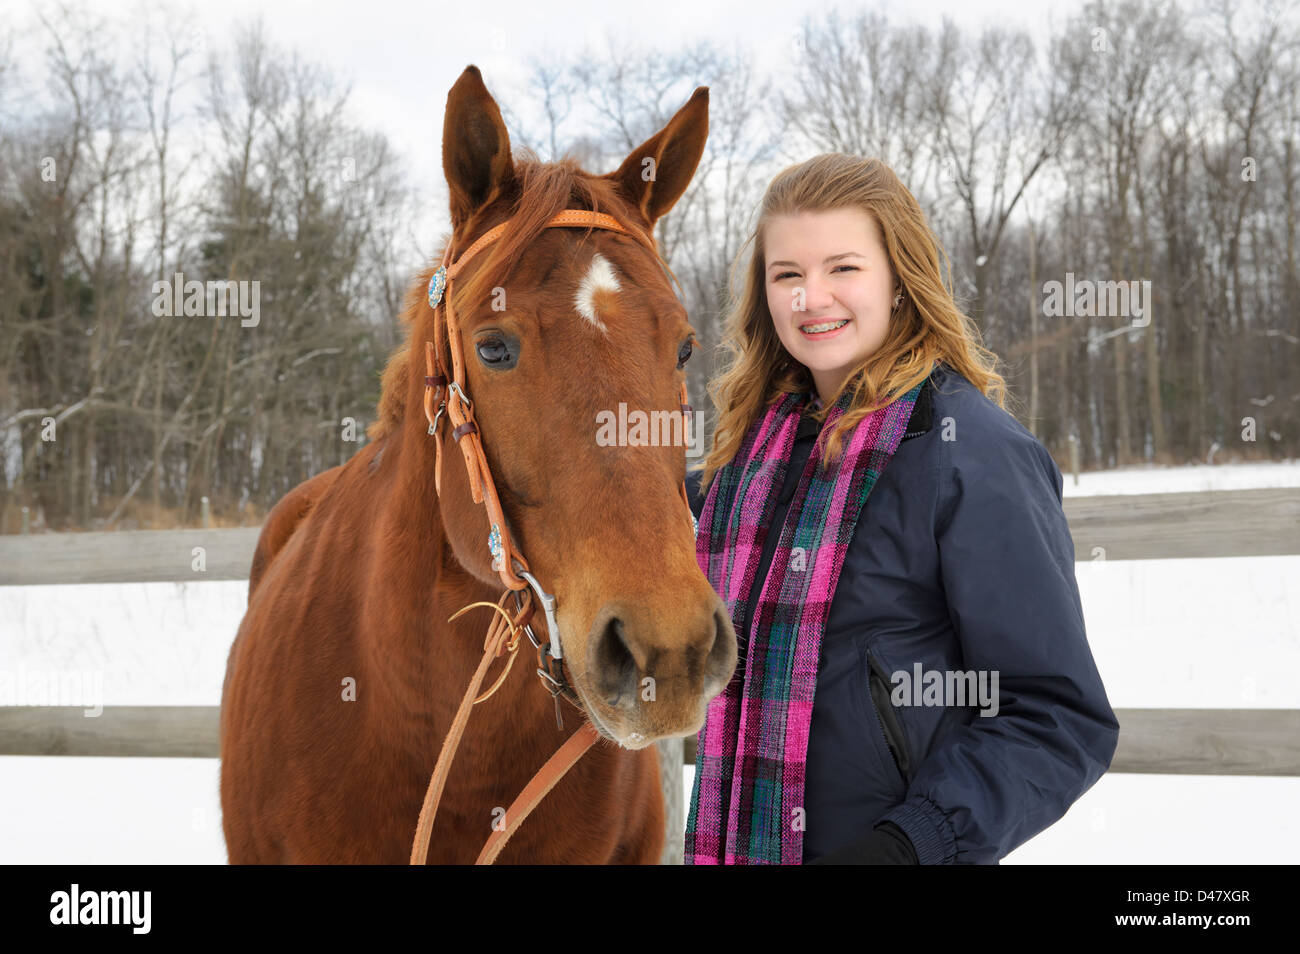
(450, 397)
(450, 394)
(554, 769)
(535, 790)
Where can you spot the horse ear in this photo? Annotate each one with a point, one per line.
(658, 171)
(475, 147)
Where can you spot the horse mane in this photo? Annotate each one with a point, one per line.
(541, 189)
(396, 375)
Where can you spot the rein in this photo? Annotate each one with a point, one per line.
(503, 633)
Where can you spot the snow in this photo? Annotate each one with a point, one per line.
(1177, 480)
(1195, 633)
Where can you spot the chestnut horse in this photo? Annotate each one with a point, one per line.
(345, 675)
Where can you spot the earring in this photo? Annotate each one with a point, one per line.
(898, 299)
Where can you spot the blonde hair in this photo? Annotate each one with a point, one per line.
(926, 328)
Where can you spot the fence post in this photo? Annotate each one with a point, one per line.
(206, 513)
(670, 780)
(27, 522)
(1074, 458)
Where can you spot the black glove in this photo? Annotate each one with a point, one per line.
(885, 845)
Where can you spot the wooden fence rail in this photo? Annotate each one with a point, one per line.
(1155, 741)
(1125, 527)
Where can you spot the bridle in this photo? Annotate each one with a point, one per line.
(450, 399)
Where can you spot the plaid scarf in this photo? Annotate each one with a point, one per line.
(746, 803)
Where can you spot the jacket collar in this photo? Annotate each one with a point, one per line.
(922, 411)
(918, 424)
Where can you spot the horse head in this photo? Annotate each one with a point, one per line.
(565, 330)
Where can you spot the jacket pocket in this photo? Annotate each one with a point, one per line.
(887, 717)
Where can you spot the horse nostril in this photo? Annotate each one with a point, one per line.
(612, 664)
(720, 664)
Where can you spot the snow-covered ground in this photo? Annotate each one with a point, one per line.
(1196, 633)
(1177, 480)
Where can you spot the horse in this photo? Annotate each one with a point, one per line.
(346, 671)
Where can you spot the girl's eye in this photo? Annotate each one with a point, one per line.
(835, 269)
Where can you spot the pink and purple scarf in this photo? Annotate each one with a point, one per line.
(746, 804)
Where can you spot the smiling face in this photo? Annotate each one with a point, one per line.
(830, 290)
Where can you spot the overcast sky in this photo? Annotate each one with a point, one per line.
(403, 57)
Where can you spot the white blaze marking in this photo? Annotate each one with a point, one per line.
(600, 277)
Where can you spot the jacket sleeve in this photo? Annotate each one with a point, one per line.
(693, 491)
(1007, 564)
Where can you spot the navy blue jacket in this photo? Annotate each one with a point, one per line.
(961, 560)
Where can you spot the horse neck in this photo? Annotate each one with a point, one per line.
(424, 661)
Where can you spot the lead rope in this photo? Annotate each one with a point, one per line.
(559, 763)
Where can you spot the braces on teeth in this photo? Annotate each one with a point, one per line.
(824, 326)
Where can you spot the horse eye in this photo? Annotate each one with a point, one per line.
(684, 353)
(494, 352)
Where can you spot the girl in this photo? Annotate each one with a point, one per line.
(915, 684)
